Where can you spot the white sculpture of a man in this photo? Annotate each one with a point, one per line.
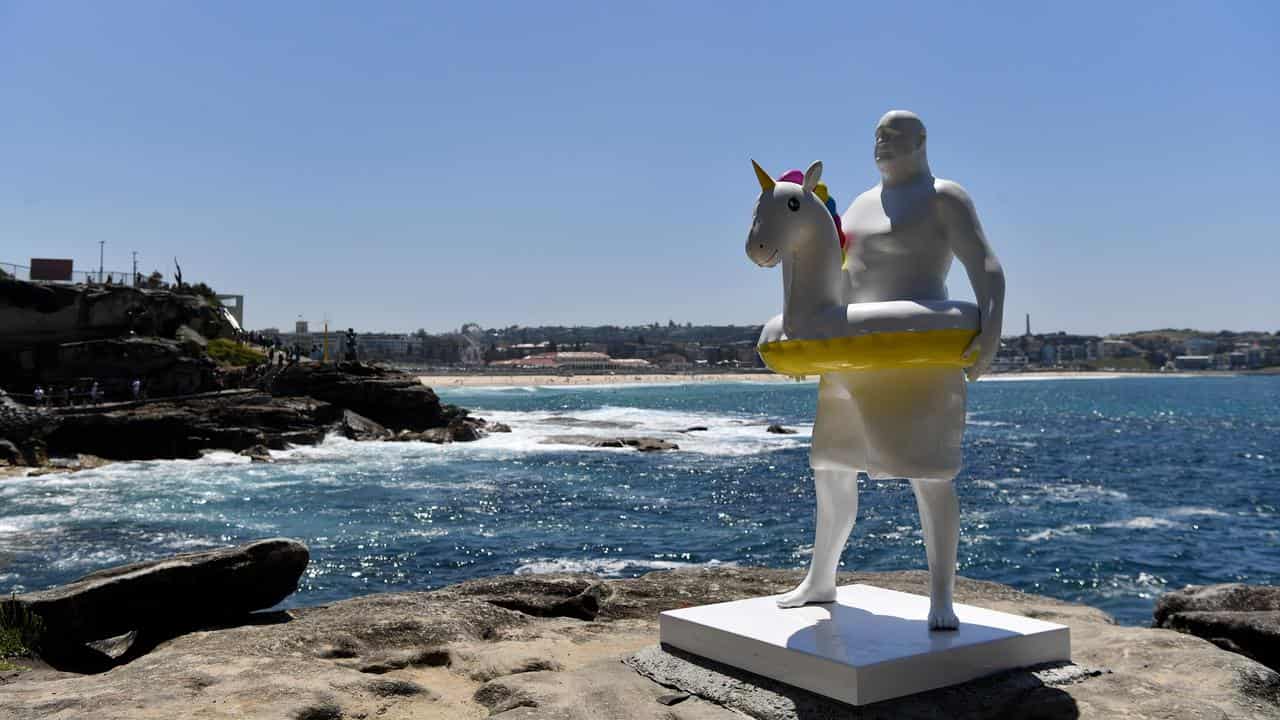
(902, 422)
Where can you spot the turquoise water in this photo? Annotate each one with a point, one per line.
(1104, 491)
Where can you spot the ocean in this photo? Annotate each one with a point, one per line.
(1101, 491)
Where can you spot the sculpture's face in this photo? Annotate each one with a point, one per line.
(900, 145)
(786, 214)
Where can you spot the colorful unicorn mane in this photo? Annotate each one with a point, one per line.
(797, 177)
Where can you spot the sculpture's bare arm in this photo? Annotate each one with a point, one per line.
(969, 244)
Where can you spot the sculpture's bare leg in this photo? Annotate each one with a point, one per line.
(837, 492)
(835, 460)
(940, 521)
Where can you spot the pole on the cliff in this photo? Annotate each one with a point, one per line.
(324, 355)
(135, 268)
(101, 243)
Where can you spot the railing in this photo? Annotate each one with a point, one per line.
(78, 277)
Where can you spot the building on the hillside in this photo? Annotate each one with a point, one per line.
(1118, 349)
(671, 360)
(1049, 355)
(581, 360)
(1193, 362)
(1199, 346)
(1008, 360)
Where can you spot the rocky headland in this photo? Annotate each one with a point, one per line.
(74, 337)
(568, 646)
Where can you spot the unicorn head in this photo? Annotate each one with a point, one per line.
(792, 211)
(796, 225)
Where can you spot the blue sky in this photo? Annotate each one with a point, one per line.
(395, 166)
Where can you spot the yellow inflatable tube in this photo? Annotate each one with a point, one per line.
(884, 335)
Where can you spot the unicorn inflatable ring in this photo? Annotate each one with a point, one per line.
(865, 308)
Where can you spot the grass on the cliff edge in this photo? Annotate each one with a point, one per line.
(19, 632)
(229, 352)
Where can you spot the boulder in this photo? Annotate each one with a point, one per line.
(258, 454)
(355, 426)
(466, 429)
(499, 427)
(779, 430)
(185, 591)
(1234, 616)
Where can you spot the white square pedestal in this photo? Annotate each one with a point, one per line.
(869, 645)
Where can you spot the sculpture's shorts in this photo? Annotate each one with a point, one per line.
(891, 423)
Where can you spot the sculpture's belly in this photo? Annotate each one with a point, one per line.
(897, 267)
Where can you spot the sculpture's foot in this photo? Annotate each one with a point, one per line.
(943, 618)
(807, 593)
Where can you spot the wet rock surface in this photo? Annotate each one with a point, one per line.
(511, 647)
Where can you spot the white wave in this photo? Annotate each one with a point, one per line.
(1064, 493)
(100, 558)
(1142, 522)
(1196, 511)
(606, 566)
(1034, 377)
(1050, 533)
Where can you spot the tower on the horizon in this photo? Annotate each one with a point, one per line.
(1028, 324)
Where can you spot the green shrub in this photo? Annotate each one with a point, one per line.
(229, 352)
(20, 632)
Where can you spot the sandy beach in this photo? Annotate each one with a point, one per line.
(619, 379)
(479, 380)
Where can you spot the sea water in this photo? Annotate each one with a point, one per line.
(1102, 491)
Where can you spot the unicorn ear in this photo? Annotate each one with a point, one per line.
(812, 176)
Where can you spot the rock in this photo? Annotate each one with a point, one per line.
(10, 454)
(435, 435)
(310, 662)
(1236, 617)
(390, 398)
(184, 428)
(695, 428)
(355, 426)
(49, 314)
(465, 430)
(258, 454)
(499, 428)
(1229, 597)
(779, 430)
(673, 698)
(643, 444)
(184, 591)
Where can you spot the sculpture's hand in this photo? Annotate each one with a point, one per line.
(983, 348)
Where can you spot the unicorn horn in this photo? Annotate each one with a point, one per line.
(766, 182)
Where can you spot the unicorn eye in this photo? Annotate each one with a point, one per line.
(793, 204)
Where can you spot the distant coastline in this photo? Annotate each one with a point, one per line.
(484, 379)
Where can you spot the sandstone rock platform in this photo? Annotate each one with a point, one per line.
(552, 646)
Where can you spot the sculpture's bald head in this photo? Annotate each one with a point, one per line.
(900, 147)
